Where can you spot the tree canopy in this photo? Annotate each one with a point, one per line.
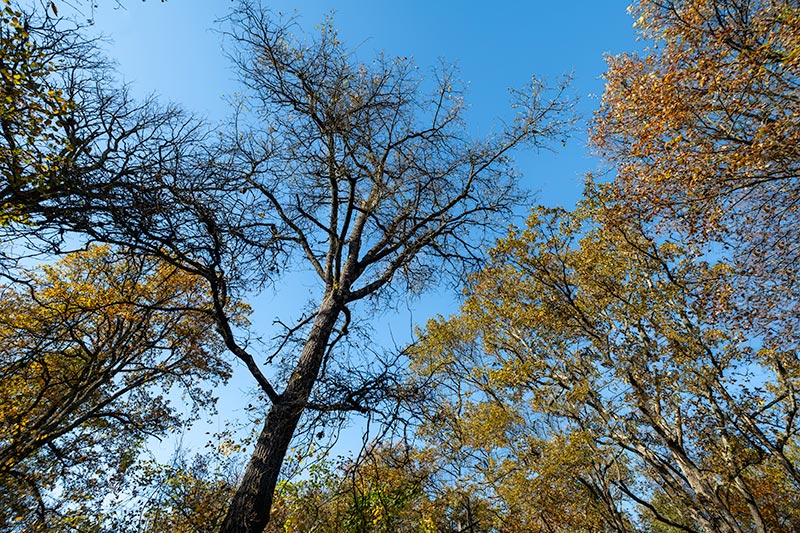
(629, 364)
(702, 132)
(615, 348)
(93, 350)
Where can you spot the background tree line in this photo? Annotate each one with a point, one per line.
(628, 365)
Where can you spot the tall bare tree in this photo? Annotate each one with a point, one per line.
(365, 174)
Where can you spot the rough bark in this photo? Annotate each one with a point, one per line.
(250, 509)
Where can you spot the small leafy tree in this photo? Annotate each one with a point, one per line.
(90, 349)
(188, 495)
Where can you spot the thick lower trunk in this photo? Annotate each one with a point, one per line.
(250, 508)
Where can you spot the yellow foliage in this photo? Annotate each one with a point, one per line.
(90, 347)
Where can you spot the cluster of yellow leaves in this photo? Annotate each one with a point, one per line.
(704, 128)
(90, 348)
(589, 359)
(35, 148)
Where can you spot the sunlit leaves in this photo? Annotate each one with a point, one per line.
(93, 351)
(34, 145)
(586, 335)
(707, 119)
(703, 129)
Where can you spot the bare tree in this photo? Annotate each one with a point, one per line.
(368, 181)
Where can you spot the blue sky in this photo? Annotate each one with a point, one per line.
(171, 49)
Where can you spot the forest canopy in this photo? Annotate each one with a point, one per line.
(626, 364)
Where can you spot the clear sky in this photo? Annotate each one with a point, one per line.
(171, 49)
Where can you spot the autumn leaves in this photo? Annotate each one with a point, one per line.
(655, 324)
(627, 365)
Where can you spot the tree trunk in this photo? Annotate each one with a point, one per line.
(249, 511)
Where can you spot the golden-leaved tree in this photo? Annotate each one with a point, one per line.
(651, 333)
(93, 351)
(703, 131)
(593, 368)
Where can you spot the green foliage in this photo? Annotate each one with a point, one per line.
(186, 496)
(390, 488)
